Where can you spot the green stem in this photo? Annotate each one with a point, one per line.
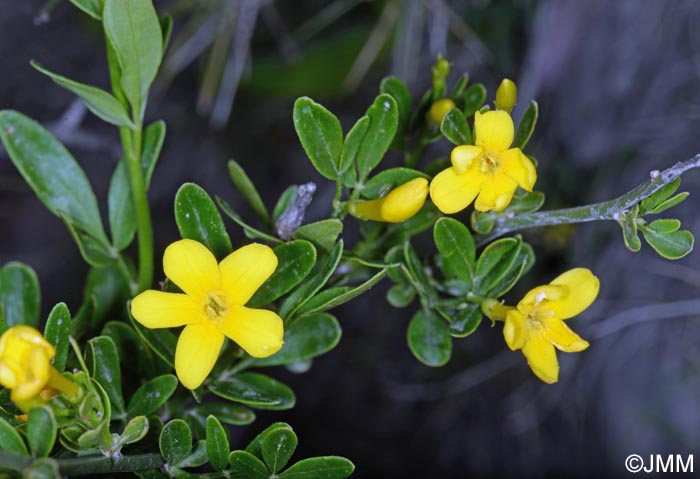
(132, 147)
(607, 210)
(104, 465)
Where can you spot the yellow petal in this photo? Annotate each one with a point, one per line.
(493, 130)
(542, 359)
(191, 266)
(462, 157)
(196, 353)
(36, 375)
(452, 192)
(366, 210)
(258, 331)
(404, 201)
(517, 166)
(539, 294)
(157, 309)
(515, 330)
(562, 337)
(245, 270)
(582, 289)
(496, 193)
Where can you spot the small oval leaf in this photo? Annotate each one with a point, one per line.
(255, 390)
(278, 447)
(429, 339)
(175, 441)
(152, 395)
(198, 219)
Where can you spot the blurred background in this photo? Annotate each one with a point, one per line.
(618, 89)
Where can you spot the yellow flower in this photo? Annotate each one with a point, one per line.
(439, 109)
(399, 205)
(537, 325)
(25, 367)
(488, 170)
(506, 95)
(212, 306)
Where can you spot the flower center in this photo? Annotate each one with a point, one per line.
(489, 162)
(536, 318)
(215, 306)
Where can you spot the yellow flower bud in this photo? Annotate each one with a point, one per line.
(402, 203)
(25, 366)
(495, 310)
(506, 95)
(439, 109)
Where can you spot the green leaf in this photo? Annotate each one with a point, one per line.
(482, 223)
(384, 118)
(246, 466)
(103, 361)
(351, 147)
(197, 457)
(429, 339)
(321, 135)
(104, 286)
(337, 296)
(248, 230)
(525, 201)
(255, 390)
(42, 468)
(41, 430)
(322, 233)
(255, 446)
(247, 189)
(457, 249)
(10, 440)
(52, 173)
(382, 183)
(285, 199)
(664, 226)
(91, 7)
(278, 447)
(217, 444)
(398, 90)
(135, 430)
(133, 30)
(175, 440)
(455, 128)
(309, 288)
(399, 296)
(527, 126)
(628, 223)
(421, 221)
(226, 413)
(669, 203)
(95, 252)
(495, 262)
(460, 86)
(306, 338)
(20, 298)
(152, 395)
(122, 214)
(326, 467)
(672, 245)
(658, 197)
(161, 341)
(417, 269)
(166, 26)
(98, 101)
(465, 321)
(472, 99)
(513, 271)
(198, 219)
(57, 332)
(295, 261)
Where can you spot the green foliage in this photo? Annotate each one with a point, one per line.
(323, 234)
(526, 126)
(57, 333)
(217, 444)
(41, 431)
(152, 395)
(429, 339)
(455, 128)
(58, 182)
(198, 219)
(321, 136)
(20, 299)
(255, 390)
(384, 119)
(248, 190)
(10, 440)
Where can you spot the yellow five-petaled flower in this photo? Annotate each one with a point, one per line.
(489, 170)
(213, 306)
(537, 325)
(26, 369)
